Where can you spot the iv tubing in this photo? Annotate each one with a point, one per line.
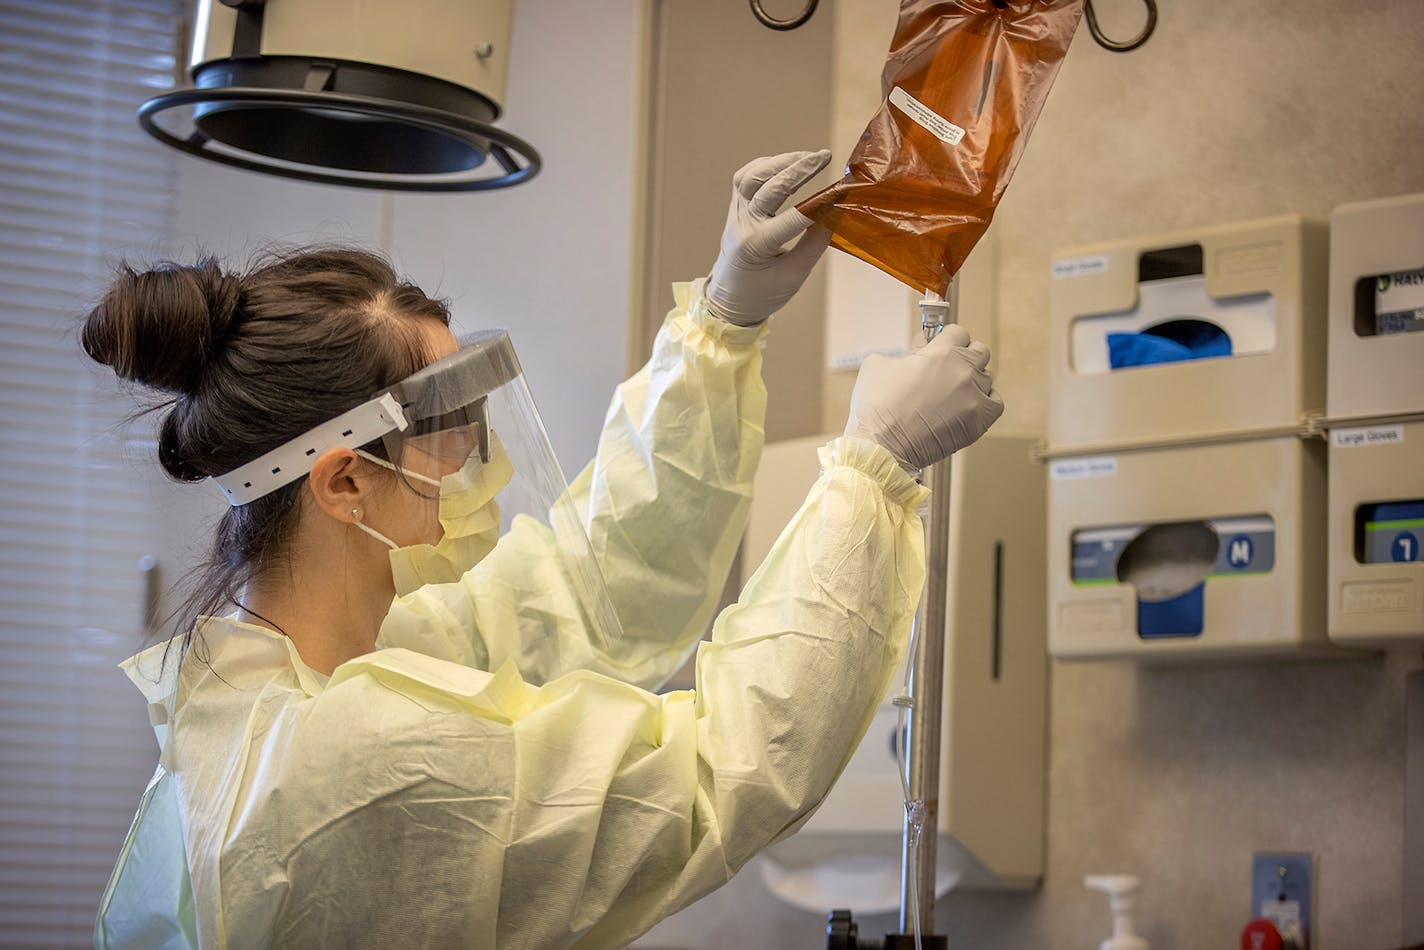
(926, 678)
(914, 810)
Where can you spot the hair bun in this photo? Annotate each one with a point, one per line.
(162, 327)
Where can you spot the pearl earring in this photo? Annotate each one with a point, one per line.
(356, 515)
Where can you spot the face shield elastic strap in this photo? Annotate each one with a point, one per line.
(292, 460)
(397, 469)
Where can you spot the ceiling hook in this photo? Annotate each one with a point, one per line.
(771, 22)
(1129, 45)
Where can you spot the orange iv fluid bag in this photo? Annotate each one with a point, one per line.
(964, 82)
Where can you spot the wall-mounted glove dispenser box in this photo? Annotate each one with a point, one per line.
(991, 804)
(1204, 552)
(1376, 359)
(1178, 337)
(1376, 528)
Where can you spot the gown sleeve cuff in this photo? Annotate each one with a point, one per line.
(875, 461)
(691, 302)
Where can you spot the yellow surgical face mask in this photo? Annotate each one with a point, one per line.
(468, 514)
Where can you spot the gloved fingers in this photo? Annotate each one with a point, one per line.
(951, 337)
(781, 230)
(748, 179)
(976, 354)
(773, 194)
(809, 249)
(983, 380)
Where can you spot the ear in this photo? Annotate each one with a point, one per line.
(339, 483)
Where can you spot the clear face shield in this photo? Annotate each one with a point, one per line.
(464, 429)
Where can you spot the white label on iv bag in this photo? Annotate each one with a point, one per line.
(1102, 466)
(1368, 435)
(1080, 267)
(938, 126)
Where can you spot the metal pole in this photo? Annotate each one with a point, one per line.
(927, 683)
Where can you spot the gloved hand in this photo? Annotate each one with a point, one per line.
(756, 273)
(928, 404)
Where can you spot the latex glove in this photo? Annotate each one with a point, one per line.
(928, 404)
(756, 272)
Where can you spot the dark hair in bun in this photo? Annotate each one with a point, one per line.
(251, 361)
(162, 326)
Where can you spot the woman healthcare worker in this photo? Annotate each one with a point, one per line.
(409, 735)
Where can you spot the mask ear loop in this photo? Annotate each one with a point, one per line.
(356, 520)
(356, 512)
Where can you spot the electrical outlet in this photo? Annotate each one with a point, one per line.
(1281, 893)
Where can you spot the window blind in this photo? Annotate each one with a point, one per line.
(80, 187)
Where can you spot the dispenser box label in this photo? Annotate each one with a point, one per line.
(1080, 267)
(1399, 302)
(1247, 545)
(1103, 466)
(1367, 436)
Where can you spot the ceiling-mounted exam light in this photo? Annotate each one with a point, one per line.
(368, 93)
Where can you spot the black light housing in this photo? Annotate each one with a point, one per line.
(363, 93)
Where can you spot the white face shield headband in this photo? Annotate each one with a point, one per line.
(473, 410)
(450, 394)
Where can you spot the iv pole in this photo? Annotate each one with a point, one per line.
(922, 740)
(926, 712)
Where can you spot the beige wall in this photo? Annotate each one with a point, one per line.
(1233, 110)
(710, 113)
